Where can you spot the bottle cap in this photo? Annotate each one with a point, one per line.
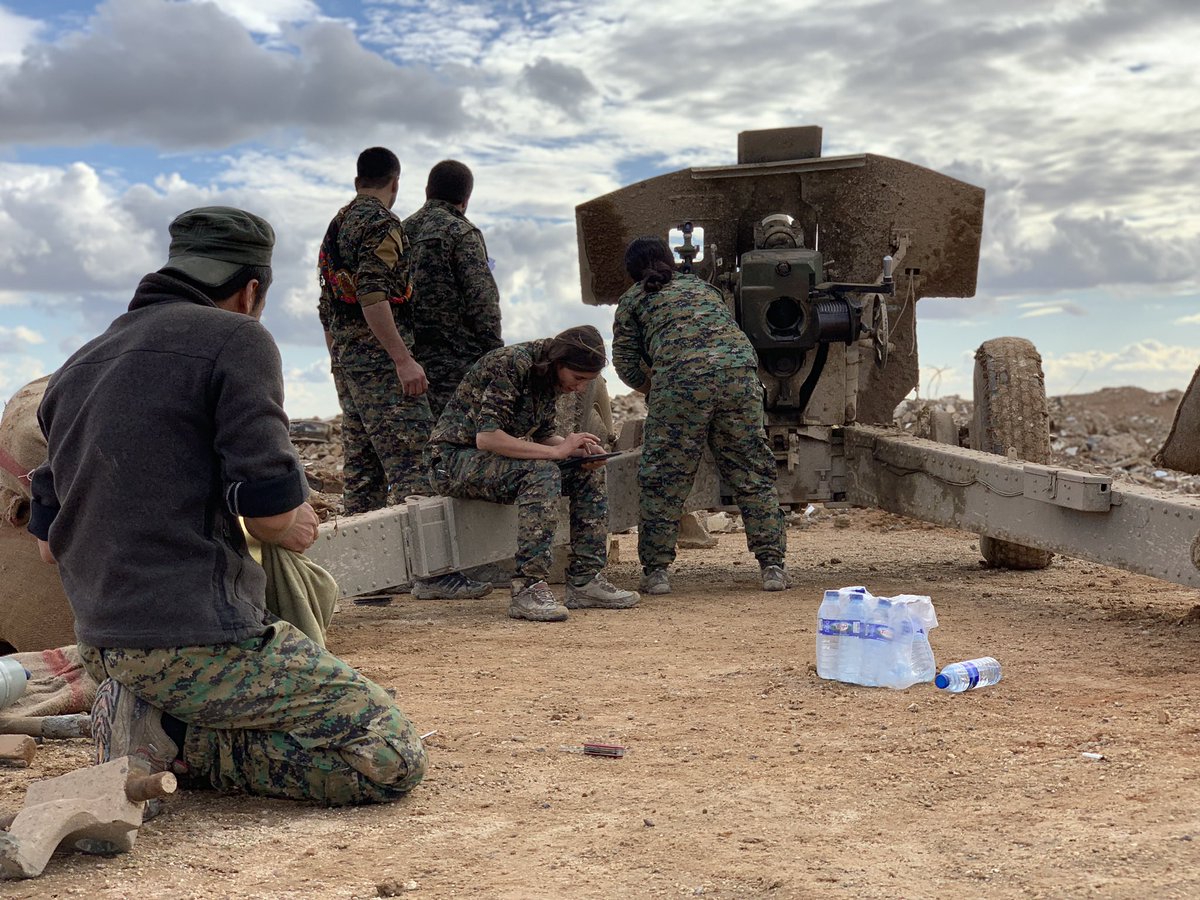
(942, 682)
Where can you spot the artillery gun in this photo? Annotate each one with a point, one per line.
(777, 232)
(835, 357)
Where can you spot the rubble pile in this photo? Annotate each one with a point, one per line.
(319, 444)
(627, 406)
(1114, 431)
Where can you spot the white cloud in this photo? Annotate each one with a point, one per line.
(18, 371)
(1149, 363)
(1193, 319)
(189, 75)
(267, 16)
(64, 229)
(1039, 308)
(309, 391)
(16, 34)
(19, 338)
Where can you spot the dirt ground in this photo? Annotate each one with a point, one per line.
(746, 774)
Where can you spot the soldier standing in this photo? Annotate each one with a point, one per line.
(457, 305)
(366, 311)
(496, 441)
(676, 329)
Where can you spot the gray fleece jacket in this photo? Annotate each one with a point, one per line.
(161, 432)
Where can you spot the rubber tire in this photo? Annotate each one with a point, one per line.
(1011, 412)
(595, 414)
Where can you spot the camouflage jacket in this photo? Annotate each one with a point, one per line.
(685, 326)
(499, 393)
(374, 248)
(456, 312)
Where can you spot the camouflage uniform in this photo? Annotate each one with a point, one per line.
(456, 304)
(275, 715)
(383, 431)
(705, 389)
(498, 394)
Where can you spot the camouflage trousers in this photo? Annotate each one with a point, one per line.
(723, 408)
(275, 715)
(444, 375)
(535, 485)
(383, 436)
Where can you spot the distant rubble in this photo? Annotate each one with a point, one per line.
(1114, 431)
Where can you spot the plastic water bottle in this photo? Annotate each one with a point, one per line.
(923, 665)
(878, 643)
(835, 632)
(966, 676)
(914, 656)
(13, 677)
(830, 634)
(850, 658)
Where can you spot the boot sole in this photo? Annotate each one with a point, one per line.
(600, 604)
(518, 614)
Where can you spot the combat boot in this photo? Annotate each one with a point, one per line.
(537, 603)
(454, 586)
(600, 593)
(774, 578)
(656, 581)
(123, 724)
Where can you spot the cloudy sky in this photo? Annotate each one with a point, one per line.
(1081, 118)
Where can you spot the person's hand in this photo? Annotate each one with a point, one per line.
(303, 532)
(578, 443)
(412, 377)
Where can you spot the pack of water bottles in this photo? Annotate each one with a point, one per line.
(875, 641)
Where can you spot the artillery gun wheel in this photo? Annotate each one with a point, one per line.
(595, 411)
(1011, 412)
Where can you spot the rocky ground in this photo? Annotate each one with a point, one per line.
(746, 775)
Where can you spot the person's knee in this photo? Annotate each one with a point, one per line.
(541, 482)
(388, 766)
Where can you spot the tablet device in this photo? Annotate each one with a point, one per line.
(578, 460)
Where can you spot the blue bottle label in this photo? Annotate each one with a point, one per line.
(878, 632)
(972, 674)
(837, 627)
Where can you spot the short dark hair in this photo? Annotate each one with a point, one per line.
(241, 278)
(451, 181)
(650, 261)
(376, 167)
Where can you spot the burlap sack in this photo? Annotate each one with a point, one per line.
(22, 439)
(34, 613)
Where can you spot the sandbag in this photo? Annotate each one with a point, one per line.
(34, 613)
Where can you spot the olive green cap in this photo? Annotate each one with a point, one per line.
(212, 243)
